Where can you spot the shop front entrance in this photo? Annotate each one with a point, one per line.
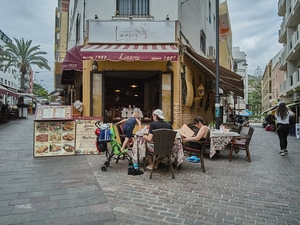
(115, 93)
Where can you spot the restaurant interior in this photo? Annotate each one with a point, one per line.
(125, 90)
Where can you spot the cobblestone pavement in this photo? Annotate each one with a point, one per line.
(74, 190)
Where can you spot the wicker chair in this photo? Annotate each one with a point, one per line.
(242, 143)
(163, 143)
(198, 151)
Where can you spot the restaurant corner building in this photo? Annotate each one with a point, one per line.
(130, 63)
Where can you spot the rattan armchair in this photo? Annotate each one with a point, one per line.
(242, 143)
(163, 143)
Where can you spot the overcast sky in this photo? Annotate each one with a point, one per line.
(33, 20)
(254, 25)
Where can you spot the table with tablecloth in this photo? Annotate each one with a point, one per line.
(219, 140)
(139, 148)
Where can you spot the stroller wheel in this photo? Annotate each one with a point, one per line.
(103, 168)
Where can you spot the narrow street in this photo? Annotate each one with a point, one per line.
(74, 190)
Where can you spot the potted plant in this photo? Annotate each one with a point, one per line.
(212, 125)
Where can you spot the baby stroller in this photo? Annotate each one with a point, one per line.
(105, 134)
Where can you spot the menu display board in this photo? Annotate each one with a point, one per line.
(52, 138)
(85, 135)
(47, 112)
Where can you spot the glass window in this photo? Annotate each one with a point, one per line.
(203, 42)
(132, 7)
(78, 29)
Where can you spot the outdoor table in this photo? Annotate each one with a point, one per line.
(139, 148)
(218, 140)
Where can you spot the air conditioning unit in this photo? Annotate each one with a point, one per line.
(211, 52)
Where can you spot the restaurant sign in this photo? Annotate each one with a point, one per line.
(131, 32)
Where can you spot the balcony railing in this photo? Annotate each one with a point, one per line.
(281, 6)
(291, 83)
(282, 28)
(282, 59)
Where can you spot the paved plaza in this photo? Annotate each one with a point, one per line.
(73, 189)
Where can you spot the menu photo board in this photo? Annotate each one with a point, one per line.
(47, 112)
(86, 139)
(54, 138)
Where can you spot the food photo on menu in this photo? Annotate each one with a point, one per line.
(41, 138)
(41, 149)
(42, 126)
(69, 147)
(68, 126)
(55, 137)
(68, 137)
(55, 147)
(55, 126)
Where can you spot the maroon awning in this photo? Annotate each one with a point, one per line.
(141, 52)
(72, 63)
(73, 59)
(4, 90)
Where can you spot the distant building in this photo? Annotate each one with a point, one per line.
(289, 61)
(10, 78)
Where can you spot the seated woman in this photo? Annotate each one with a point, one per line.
(200, 136)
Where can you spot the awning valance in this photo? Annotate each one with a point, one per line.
(228, 80)
(6, 91)
(141, 52)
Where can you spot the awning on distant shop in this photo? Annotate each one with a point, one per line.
(27, 95)
(6, 91)
(130, 53)
(72, 63)
(228, 80)
(293, 104)
(269, 109)
(244, 112)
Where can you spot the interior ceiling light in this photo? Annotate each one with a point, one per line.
(134, 85)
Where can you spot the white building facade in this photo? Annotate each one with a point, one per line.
(289, 61)
(10, 78)
(163, 45)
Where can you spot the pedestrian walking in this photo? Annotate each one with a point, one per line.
(283, 114)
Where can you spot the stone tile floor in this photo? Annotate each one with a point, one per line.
(74, 190)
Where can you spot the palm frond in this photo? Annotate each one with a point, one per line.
(22, 55)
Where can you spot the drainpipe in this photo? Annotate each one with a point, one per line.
(84, 20)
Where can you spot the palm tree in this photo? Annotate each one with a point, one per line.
(22, 55)
(1, 57)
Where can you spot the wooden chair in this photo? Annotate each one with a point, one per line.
(198, 151)
(163, 143)
(242, 143)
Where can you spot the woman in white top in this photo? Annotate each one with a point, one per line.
(283, 114)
